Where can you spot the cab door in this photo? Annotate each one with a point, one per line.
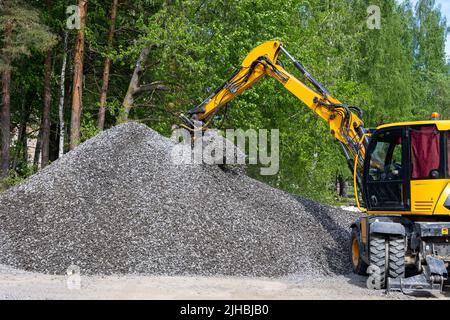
(386, 174)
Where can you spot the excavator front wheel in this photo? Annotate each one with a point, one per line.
(379, 253)
(387, 254)
(358, 265)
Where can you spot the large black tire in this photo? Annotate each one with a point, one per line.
(378, 258)
(358, 265)
(388, 254)
(396, 257)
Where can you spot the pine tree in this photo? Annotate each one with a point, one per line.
(23, 32)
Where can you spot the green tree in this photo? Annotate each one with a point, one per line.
(23, 32)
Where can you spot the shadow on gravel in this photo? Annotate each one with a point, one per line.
(326, 216)
(420, 294)
(357, 280)
(428, 294)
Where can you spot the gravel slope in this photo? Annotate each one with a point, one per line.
(117, 205)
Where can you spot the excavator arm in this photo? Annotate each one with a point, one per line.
(344, 121)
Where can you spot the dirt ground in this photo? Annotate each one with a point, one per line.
(16, 284)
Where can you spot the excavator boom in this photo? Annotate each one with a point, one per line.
(344, 121)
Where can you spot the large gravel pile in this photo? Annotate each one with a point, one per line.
(117, 204)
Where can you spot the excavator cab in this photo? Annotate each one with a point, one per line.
(406, 192)
(406, 169)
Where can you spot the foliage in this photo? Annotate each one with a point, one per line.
(29, 33)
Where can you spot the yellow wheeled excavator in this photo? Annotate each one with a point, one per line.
(401, 170)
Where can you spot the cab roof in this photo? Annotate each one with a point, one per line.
(442, 125)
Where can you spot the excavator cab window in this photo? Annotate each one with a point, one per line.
(426, 153)
(385, 171)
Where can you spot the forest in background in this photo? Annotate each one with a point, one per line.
(144, 60)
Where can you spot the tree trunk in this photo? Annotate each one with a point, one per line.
(54, 142)
(46, 111)
(24, 138)
(134, 84)
(62, 97)
(134, 88)
(103, 94)
(5, 114)
(37, 151)
(77, 91)
(22, 133)
(341, 186)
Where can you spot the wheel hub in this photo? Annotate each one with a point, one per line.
(355, 252)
